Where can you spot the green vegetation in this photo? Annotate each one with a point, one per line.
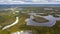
(7, 18)
(39, 30)
(43, 14)
(54, 14)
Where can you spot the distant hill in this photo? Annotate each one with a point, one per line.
(25, 5)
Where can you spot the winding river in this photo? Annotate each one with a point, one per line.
(8, 26)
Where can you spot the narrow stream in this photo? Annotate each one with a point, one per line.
(8, 26)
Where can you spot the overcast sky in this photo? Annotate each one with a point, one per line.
(29, 1)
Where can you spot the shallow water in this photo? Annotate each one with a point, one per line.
(51, 22)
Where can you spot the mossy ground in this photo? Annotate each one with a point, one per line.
(21, 25)
(39, 30)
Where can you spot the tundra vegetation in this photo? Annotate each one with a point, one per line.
(8, 17)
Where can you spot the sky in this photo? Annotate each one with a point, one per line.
(29, 1)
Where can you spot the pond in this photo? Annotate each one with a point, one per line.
(51, 22)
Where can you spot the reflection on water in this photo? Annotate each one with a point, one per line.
(51, 22)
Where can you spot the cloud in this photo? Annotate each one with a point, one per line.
(28, 2)
(36, 0)
(11, 2)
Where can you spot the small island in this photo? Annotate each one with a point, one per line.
(40, 19)
(43, 14)
(54, 15)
